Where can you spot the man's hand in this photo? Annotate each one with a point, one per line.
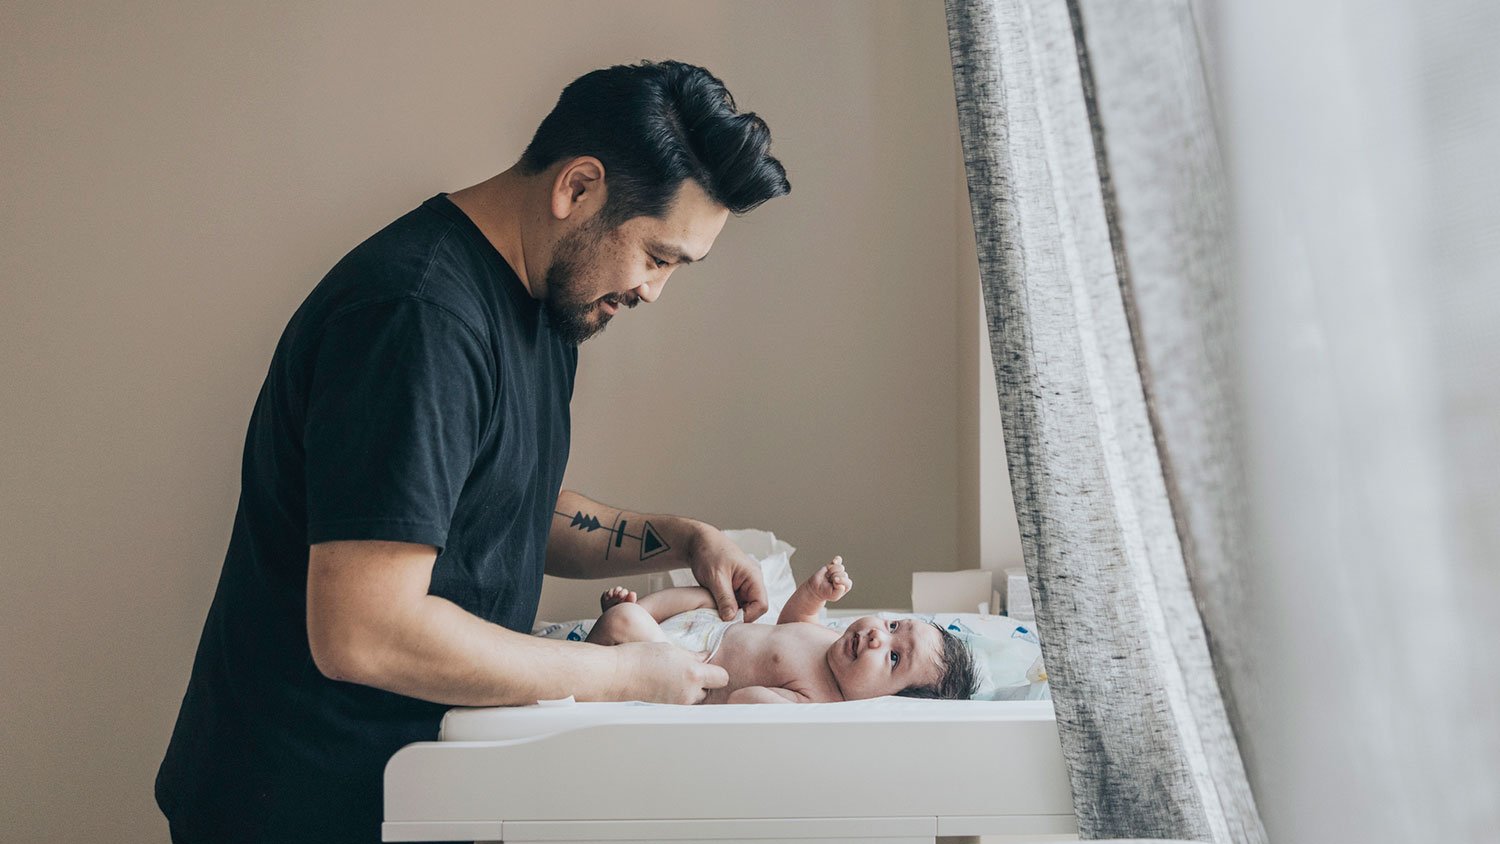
(660, 672)
(830, 582)
(729, 574)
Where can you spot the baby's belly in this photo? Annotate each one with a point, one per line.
(729, 657)
(749, 653)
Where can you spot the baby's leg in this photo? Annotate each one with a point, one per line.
(662, 605)
(679, 599)
(626, 622)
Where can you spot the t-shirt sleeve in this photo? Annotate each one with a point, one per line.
(398, 400)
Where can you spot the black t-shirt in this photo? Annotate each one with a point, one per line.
(417, 395)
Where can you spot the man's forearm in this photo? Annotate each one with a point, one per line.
(590, 540)
(432, 649)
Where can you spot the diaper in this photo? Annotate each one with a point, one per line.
(700, 629)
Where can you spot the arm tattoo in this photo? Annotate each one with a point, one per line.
(650, 538)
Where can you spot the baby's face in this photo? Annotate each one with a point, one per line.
(877, 656)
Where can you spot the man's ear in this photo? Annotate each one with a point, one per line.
(578, 187)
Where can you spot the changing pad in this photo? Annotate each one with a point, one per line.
(509, 723)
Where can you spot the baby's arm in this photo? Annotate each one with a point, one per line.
(763, 694)
(828, 583)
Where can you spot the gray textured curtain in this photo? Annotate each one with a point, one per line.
(1255, 455)
(1097, 192)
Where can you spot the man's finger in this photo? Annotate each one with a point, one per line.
(755, 590)
(714, 677)
(752, 596)
(755, 609)
(724, 597)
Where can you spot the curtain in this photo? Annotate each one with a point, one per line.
(1241, 269)
(1097, 192)
(1362, 140)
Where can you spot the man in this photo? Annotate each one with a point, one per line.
(401, 485)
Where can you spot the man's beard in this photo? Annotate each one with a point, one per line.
(574, 317)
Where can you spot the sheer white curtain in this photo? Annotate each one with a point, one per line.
(1241, 266)
(1362, 139)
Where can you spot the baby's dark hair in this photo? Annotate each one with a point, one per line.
(959, 676)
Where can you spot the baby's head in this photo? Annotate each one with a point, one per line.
(877, 656)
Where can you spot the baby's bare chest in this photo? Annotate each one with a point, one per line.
(789, 656)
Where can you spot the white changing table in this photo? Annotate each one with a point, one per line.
(888, 771)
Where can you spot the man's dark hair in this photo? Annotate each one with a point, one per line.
(959, 678)
(653, 125)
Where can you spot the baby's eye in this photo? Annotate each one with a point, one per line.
(895, 659)
(892, 625)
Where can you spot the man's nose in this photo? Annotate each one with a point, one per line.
(648, 292)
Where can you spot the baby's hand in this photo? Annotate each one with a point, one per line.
(830, 582)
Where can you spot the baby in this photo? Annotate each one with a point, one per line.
(797, 660)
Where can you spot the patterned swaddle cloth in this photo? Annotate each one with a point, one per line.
(1006, 652)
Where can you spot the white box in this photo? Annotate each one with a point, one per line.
(951, 591)
(1018, 595)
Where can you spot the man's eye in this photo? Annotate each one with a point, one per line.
(659, 262)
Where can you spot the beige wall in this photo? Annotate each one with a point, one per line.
(178, 177)
(988, 535)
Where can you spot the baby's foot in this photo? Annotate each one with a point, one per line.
(617, 595)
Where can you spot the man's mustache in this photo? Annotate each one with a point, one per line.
(618, 299)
